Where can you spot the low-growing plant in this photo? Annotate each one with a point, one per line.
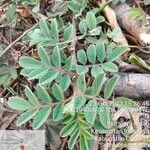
(73, 63)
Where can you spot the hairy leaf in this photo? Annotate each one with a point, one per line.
(117, 52)
(81, 69)
(64, 82)
(109, 66)
(31, 97)
(73, 139)
(91, 53)
(100, 48)
(96, 70)
(68, 128)
(43, 94)
(68, 33)
(104, 115)
(29, 114)
(44, 27)
(82, 58)
(44, 56)
(57, 112)
(41, 117)
(29, 63)
(56, 58)
(91, 20)
(49, 77)
(81, 83)
(57, 92)
(97, 84)
(83, 26)
(54, 29)
(110, 86)
(19, 103)
(91, 111)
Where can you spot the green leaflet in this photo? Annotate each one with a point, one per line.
(44, 56)
(64, 82)
(68, 33)
(68, 129)
(73, 7)
(81, 83)
(49, 77)
(98, 126)
(41, 117)
(43, 94)
(115, 34)
(83, 124)
(109, 66)
(104, 115)
(54, 29)
(110, 86)
(67, 118)
(81, 69)
(100, 48)
(57, 112)
(91, 53)
(87, 135)
(36, 73)
(57, 92)
(83, 143)
(83, 26)
(60, 22)
(29, 114)
(100, 19)
(73, 139)
(19, 103)
(123, 102)
(31, 97)
(29, 63)
(69, 63)
(91, 20)
(82, 58)
(79, 102)
(97, 84)
(96, 70)
(117, 52)
(91, 111)
(25, 72)
(44, 27)
(56, 58)
(95, 31)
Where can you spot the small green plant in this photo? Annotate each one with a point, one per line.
(72, 87)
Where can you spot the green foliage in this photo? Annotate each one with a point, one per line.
(77, 6)
(110, 86)
(91, 111)
(68, 33)
(115, 35)
(97, 84)
(104, 115)
(91, 20)
(57, 92)
(71, 79)
(33, 110)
